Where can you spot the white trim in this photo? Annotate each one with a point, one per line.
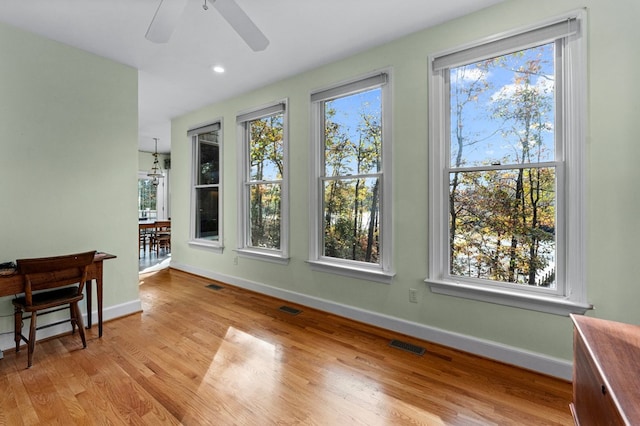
(575, 147)
(579, 14)
(273, 256)
(204, 128)
(545, 33)
(267, 110)
(242, 151)
(351, 87)
(535, 302)
(383, 271)
(216, 245)
(352, 271)
(528, 360)
(570, 296)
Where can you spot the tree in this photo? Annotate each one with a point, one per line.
(351, 186)
(266, 166)
(502, 210)
(525, 112)
(470, 82)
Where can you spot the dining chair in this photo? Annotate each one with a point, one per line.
(161, 236)
(50, 284)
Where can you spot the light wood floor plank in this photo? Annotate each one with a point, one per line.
(197, 356)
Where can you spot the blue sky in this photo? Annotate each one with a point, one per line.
(348, 113)
(487, 132)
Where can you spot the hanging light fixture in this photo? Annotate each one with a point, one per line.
(155, 174)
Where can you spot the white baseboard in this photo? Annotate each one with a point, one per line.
(112, 312)
(507, 354)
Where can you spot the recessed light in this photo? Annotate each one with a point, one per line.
(218, 69)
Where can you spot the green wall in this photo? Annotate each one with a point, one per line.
(613, 198)
(68, 161)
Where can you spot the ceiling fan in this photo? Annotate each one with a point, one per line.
(169, 12)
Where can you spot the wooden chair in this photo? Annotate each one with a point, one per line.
(142, 240)
(48, 285)
(161, 236)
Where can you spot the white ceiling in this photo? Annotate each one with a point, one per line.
(176, 77)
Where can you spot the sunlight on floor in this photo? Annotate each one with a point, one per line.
(162, 264)
(245, 362)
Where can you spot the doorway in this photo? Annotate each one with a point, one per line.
(153, 205)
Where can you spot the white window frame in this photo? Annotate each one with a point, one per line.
(382, 272)
(243, 121)
(216, 246)
(571, 256)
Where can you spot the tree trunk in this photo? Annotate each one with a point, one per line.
(372, 222)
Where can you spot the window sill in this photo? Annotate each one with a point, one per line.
(376, 275)
(541, 303)
(261, 255)
(212, 246)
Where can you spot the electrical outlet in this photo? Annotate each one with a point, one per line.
(235, 260)
(413, 295)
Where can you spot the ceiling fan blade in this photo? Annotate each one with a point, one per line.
(241, 23)
(165, 20)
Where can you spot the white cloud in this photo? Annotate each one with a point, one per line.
(544, 84)
(466, 74)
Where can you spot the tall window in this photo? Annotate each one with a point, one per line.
(506, 161)
(263, 185)
(351, 187)
(206, 227)
(147, 199)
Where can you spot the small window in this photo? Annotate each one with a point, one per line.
(206, 194)
(351, 188)
(263, 201)
(506, 160)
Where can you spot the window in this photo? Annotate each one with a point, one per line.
(506, 160)
(263, 201)
(153, 200)
(206, 196)
(147, 198)
(350, 188)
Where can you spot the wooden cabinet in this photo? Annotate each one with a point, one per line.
(606, 372)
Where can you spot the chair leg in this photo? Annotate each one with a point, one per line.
(31, 344)
(72, 320)
(17, 331)
(77, 320)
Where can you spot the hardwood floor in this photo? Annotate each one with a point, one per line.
(198, 356)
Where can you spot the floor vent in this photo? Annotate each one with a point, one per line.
(398, 344)
(290, 310)
(215, 287)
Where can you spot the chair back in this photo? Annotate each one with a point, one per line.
(163, 225)
(44, 273)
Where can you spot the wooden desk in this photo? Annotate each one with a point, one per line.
(606, 363)
(14, 284)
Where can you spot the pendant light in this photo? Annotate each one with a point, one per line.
(155, 172)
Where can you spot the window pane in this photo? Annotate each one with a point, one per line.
(351, 219)
(207, 213)
(503, 109)
(208, 160)
(502, 225)
(265, 216)
(353, 134)
(266, 147)
(147, 194)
